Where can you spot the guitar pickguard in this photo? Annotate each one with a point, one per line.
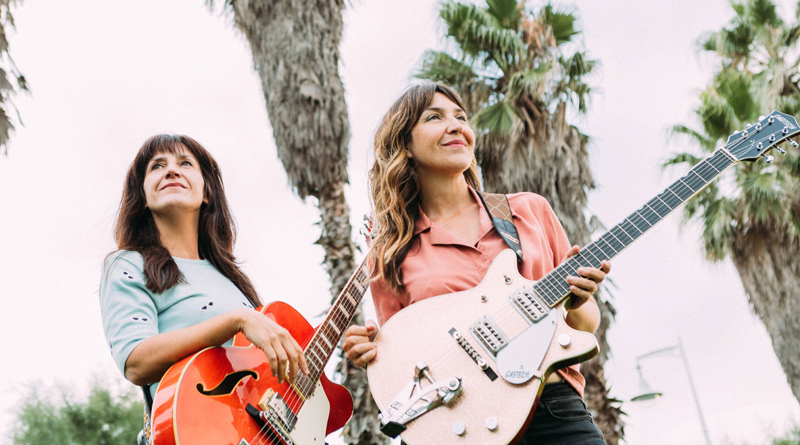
(520, 360)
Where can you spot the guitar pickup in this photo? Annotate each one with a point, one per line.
(526, 303)
(489, 334)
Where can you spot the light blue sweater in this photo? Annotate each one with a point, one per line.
(132, 313)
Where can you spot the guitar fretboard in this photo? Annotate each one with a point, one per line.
(331, 330)
(553, 287)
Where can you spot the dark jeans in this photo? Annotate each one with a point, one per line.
(561, 419)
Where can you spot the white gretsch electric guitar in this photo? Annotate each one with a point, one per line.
(468, 367)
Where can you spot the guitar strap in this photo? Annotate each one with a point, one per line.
(500, 211)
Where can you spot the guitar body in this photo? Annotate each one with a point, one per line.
(203, 398)
(423, 332)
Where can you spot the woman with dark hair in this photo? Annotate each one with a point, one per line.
(173, 288)
(432, 236)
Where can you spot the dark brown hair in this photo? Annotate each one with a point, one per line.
(136, 230)
(394, 182)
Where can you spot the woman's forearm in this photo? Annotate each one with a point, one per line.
(151, 359)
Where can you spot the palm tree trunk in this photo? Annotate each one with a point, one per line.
(363, 428)
(295, 47)
(768, 264)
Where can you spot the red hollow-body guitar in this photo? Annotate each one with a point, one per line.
(227, 395)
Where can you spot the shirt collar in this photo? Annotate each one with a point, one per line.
(440, 236)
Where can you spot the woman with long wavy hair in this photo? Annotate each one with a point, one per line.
(432, 236)
(173, 286)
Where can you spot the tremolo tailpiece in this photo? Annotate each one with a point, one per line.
(414, 401)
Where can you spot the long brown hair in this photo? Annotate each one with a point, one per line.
(136, 230)
(394, 182)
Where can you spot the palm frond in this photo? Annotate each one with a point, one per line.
(733, 43)
(791, 36)
(699, 202)
(716, 115)
(788, 104)
(761, 195)
(735, 89)
(499, 118)
(563, 23)
(479, 34)
(507, 12)
(718, 227)
(738, 8)
(528, 83)
(681, 158)
(457, 16)
(439, 66)
(503, 45)
(578, 65)
(703, 141)
(762, 12)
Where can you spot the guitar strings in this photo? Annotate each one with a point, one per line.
(308, 384)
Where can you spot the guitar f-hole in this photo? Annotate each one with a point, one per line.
(228, 384)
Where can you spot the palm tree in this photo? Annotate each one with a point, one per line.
(755, 218)
(295, 47)
(7, 67)
(520, 73)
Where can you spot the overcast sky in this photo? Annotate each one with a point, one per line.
(106, 75)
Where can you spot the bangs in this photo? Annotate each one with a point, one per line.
(173, 144)
(161, 144)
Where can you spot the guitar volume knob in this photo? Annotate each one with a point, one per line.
(491, 423)
(459, 428)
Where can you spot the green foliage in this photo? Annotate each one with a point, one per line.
(107, 416)
(512, 62)
(758, 72)
(8, 69)
(791, 438)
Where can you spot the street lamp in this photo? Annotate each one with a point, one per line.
(646, 393)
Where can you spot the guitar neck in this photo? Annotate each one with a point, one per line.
(553, 287)
(331, 330)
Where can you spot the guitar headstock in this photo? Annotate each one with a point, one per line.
(755, 141)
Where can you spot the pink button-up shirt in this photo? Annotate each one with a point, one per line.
(439, 262)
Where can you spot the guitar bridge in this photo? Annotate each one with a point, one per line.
(407, 406)
(274, 407)
(267, 420)
(528, 304)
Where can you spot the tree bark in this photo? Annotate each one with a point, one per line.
(295, 47)
(768, 263)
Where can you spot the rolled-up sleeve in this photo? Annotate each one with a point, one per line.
(127, 308)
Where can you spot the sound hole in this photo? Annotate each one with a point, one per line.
(227, 385)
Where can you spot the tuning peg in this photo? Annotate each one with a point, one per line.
(761, 118)
(769, 159)
(771, 120)
(794, 144)
(780, 150)
(748, 125)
